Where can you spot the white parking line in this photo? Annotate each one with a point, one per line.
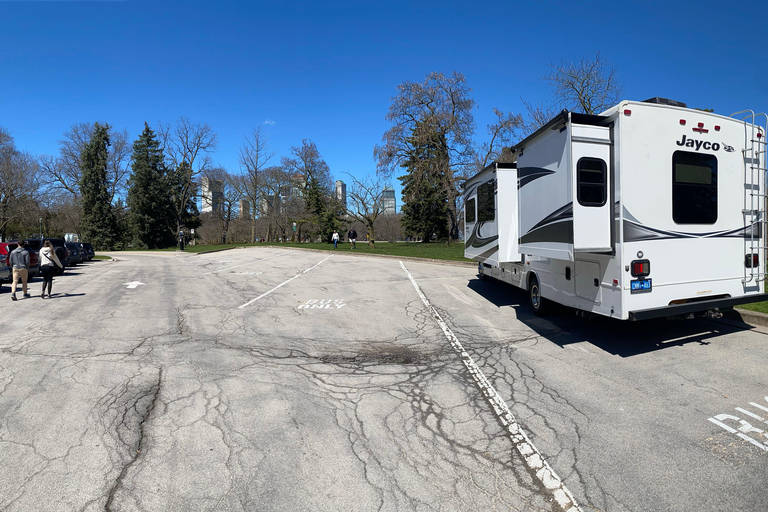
(244, 264)
(281, 284)
(520, 440)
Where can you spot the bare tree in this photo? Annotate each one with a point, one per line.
(365, 202)
(538, 115)
(63, 172)
(589, 86)
(187, 147)
(277, 203)
(18, 182)
(254, 157)
(439, 109)
(311, 175)
(502, 133)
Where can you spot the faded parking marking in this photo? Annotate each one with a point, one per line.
(533, 458)
(323, 304)
(745, 430)
(282, 284)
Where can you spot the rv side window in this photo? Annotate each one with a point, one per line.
(486, 209)
(590, 182)
(470, 209)
(694, 188)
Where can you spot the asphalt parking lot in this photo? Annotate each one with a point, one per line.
(269, 379)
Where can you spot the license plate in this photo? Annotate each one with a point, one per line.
(640, 285)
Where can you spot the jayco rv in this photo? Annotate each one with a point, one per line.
(649, 209)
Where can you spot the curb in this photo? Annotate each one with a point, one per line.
(453, 263)
(748, 317)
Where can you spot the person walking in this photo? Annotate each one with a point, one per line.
(19, 261)
(335, 238)
(352, 235)
(48, 259)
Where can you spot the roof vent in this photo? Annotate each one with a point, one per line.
(665, 101)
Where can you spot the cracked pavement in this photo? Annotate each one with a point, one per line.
(170, 396)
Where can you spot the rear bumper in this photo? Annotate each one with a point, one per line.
(694, 307)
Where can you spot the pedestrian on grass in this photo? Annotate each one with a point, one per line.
(48, 259)
(335, 238)
(19, 261)
(352, 235)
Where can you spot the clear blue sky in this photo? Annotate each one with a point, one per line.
(327, 71)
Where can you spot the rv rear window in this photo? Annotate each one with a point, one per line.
(470, 209)
(694, 188)
(590, 177)
(486, 209)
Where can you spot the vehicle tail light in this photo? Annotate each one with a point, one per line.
(640, 268)
(752, 260)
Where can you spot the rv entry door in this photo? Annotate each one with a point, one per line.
(591, 186)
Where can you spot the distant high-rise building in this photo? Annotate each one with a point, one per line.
(388, 201)
(341, 193)
(245, 209)
(266, 204)
(211, 191)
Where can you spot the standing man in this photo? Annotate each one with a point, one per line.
(352, 235)
(335, 238)
(181, 240)
(20, 262)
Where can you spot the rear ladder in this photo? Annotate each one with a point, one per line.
(755, 198)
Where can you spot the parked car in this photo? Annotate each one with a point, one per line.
(5, 265)
(86, 251)
(75, 256)
(6, 248)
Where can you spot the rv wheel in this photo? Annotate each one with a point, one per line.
(538, 303)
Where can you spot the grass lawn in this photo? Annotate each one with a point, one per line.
(437, 251)
(761, 307)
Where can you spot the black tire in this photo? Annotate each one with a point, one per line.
(539, 304)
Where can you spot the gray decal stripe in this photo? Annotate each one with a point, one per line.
(526, 175)
(634, 232)
(554, 232)
(637, 232)
(487, 253)
(475, 240)
(563, 213)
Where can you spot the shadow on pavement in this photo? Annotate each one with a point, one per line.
(619, 337)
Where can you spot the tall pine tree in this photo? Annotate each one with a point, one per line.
(98, 223)
(425, 193)
(150, 195)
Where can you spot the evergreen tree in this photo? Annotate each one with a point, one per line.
(425, 194)
(152, 212)
(98, 223)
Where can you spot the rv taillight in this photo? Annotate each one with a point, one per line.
(752, 260)
(641, 268)
(759, 135)
(627, 112)
(717, 128)
(682, 122)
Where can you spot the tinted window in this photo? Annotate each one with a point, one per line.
(591, 182)
(694, 188)
(470, 209)
(486, 209)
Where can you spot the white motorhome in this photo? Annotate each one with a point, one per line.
(649, 209)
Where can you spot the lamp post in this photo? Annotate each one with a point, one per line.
(41, 228)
